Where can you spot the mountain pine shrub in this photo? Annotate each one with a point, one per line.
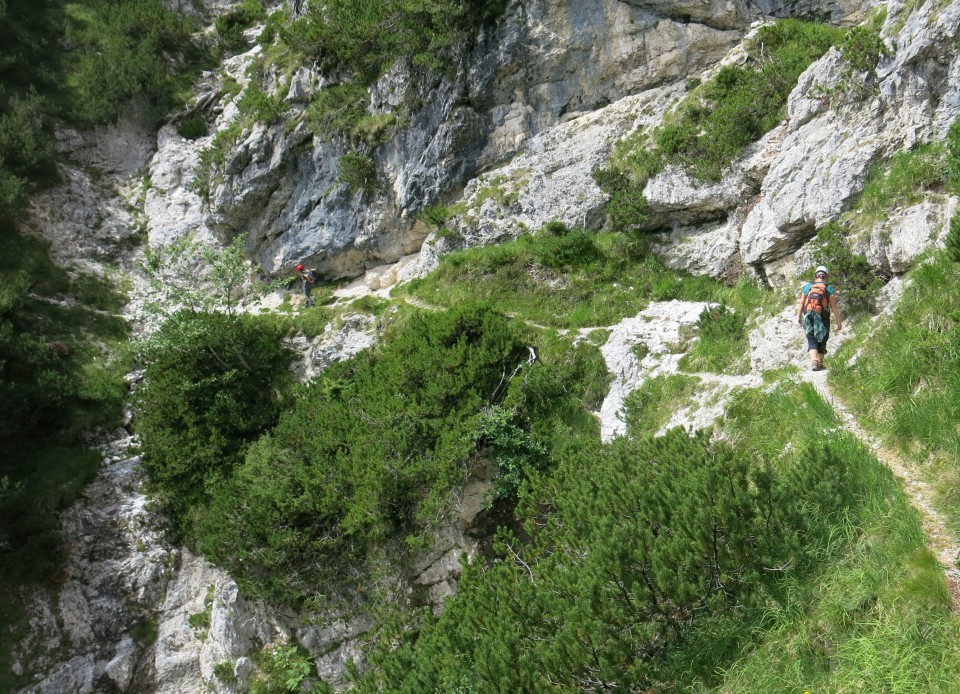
(368, 456)
(230, 26)
(631, 548)
(213, 384)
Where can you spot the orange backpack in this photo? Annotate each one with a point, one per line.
(817, 298)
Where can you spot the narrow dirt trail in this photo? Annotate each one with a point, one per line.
(941, 541)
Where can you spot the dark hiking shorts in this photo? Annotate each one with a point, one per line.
(819, 346)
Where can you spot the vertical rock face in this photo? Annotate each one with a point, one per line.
(832, 142)
(116, 572)
(527, 108)
(545, 61)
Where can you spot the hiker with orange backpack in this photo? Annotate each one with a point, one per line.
(817, 300)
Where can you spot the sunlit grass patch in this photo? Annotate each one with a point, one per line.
(875, 619)
(905, 382)
(607, 278)
(722, 345)
(876, 615)
(651, 405)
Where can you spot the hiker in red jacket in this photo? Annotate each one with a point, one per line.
(309, 278)
(817, 300)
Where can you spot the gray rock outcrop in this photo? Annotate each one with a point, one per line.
(543, 63)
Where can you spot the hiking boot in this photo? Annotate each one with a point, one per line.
(815, 366)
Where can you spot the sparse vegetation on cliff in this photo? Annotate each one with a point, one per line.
(906, 384)
(718, 118)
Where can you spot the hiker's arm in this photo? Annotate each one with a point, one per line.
(800, 308)
(835, 308)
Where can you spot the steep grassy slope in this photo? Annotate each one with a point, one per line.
(905, 380)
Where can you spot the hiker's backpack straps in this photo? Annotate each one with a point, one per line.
(817, 298)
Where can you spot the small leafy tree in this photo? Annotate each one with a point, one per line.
(200, 277)
(513, 449)
(358, 172)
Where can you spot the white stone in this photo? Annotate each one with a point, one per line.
(74, 676)
(120, 669)
(357, 333)
(657, 327)
(896, 243)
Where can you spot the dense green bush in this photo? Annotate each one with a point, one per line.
(47, 383)
(513, 449)
(369, 455)
(357, 172)
(258, 106)
(574, 248)
(283, 668)
(631, 546)
(26, 150)
(213, 384)
(193, 127)
(627, 207)
(121, 53)
(29, 51)
(230, 26)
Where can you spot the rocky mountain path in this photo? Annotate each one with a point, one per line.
(417, 303)
(941, 541)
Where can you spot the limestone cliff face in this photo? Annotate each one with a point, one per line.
(808, 171)
(512, 135)
(544, 65)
